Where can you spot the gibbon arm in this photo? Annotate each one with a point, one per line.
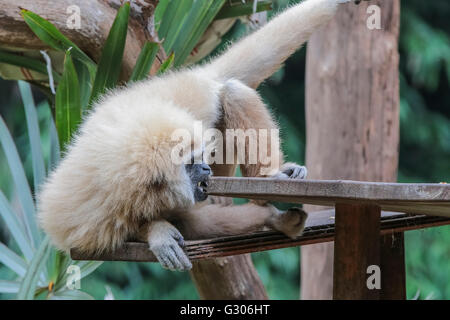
(244, 109)
(214, 220)
(258, 56)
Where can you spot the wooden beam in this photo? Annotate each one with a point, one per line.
(356, 247)
(418, 198)
(319, 229)
(392, 256)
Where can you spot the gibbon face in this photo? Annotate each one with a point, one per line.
(199, 174)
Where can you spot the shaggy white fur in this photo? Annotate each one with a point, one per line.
(117, 175)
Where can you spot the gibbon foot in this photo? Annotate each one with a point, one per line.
(290, 222)
(291, 171)
(166, 242)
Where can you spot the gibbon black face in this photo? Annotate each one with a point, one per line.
(199, 174)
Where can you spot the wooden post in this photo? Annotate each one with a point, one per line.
(393, 279)
(352, 114)
(356, 247)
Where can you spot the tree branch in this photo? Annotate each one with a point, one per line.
(97, 17)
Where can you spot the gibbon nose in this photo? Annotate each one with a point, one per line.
(206, 169)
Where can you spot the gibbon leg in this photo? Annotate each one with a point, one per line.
(166, 242)
(243, 109)
(214, 220)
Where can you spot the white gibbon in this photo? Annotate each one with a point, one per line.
(117, 181)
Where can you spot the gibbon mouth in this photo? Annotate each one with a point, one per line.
(202, 185)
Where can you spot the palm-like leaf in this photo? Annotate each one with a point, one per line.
(28, 286)
(21, 183)
(49, 34)
(109, 65)
(15, 227)
(33, 134)
(67, 103)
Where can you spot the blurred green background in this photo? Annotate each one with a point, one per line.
(424, 157)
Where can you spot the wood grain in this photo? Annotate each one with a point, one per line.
(428, 198)
(356, 247)
(393, 277)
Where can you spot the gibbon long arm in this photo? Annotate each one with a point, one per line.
(259, 55)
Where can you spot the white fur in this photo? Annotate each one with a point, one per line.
(117, 173)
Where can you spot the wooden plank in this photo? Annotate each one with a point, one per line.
(319, 228)
(418, 198)
(356, 247)
(393, 274)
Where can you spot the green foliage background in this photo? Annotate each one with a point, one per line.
(424, 157)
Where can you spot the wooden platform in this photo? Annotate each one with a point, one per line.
(419, 198)
(319, 228)
(364, 236)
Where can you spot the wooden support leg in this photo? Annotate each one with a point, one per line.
(356, 247)
(393, 283)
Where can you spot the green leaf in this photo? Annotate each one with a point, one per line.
(200, 16)
(9, 286)
(26, 62)
(34, 134)
(89, 267)
(49, 34)
(67, 103)
(29, 282)
(159, 12)
(21, 183)
(10, 259)
(68, 294)
(167, 18)
(85, 82)
(238, 9)
(16, 229)
(182, 9)
(144, 61)
(109, 66)
(54, 144)
(166, 64)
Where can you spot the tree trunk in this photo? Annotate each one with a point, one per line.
(230, 278)
(352, 114)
